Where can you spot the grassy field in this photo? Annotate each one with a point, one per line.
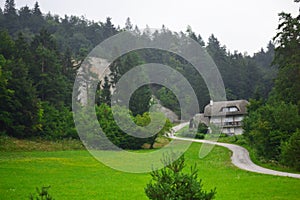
(77, 175)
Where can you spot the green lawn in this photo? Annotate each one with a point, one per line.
(77, 175)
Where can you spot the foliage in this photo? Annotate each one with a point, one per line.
(267, 127)
(40, 55)
(122, 139)
(202, 128)
(168, 99)
(42, 194)
(287, 56)
(272, 127)
(186, 132)
(171, 183)
(291, 151)
(140, 99)
(20, 104)
(157, 117)
(56, 123)
(200, 136)
(105, 92)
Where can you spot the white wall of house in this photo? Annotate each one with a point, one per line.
(215, 120)
(223, 121)
(238, 118)
(238, 131)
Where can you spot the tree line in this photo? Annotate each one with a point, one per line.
(41, 53)
(272, 127)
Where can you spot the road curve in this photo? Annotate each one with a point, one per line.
(240, 156)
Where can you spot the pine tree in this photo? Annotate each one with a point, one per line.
(25, 17)
(10, 8)
(171, 183)
(25, 103)
(11, 22)
(128, 25)
(36, 10)
(109, 29)
(105, 93)
(6, 96)
(47, 70)
(23, 49)
(194, 37)
(287, 57)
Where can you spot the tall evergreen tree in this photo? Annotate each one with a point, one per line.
(47, 70)
(6, 97)
(25, 105)
(36, 10)
(25, 17)
(194, 37)
(109, 29)
(11, 22)
(10, 8)
(23, 49)
(105, 93)
(128, 25)
(287, 57)
(272, 128)
(20, 108)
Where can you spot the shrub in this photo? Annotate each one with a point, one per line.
(171, 183)
(199, 136)
(202, 128)
(41, 194)
(291, 151)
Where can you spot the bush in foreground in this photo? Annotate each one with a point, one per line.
(171, 183)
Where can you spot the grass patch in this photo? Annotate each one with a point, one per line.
(13, 144)
(10, 144)
(77, 175)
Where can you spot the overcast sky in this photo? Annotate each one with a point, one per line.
(243, 25)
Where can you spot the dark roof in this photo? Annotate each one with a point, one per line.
(216, 109)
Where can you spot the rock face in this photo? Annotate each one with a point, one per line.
(168, 113)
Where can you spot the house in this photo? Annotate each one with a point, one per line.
(227, 115)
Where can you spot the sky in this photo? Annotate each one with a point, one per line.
(243, 25)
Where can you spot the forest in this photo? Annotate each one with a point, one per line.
(41, 53)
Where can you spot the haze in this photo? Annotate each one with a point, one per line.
(241, 25)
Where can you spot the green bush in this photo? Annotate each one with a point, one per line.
(56, 123)
(171, 183)
(199, 136)
(202, 128)
(41, 194)
(269, 126)
(291, 151)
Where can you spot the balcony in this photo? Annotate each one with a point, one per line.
(232, 124)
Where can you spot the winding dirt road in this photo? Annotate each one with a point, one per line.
(240, 156)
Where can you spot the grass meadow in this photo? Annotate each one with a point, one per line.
(77, 175)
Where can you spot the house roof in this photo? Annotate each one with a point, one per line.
(221, 108)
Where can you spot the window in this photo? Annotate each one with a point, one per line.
(230, 109)
(233, 109)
